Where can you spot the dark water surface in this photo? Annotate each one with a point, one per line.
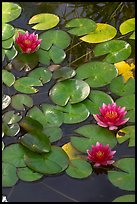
(62, 188)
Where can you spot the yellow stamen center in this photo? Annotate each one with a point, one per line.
(111, 114)
(27, 42)
(99, 154)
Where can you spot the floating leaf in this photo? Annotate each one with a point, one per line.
(127, 26)
(26, 174)
(14, 154)
(125, 198)
(44, 57)
(129, 134)
(132, 36)
(97, 98)
(44, 21)
(8, 78)
(53, 133)
(103, 32)
(25, 85)
(9, 176)
(120, 88)
(11, 130)
(117, 50)
(7, 31)
(79, 169)
(58, 38)
(57, 54)
(71, 151)
(7, 44)
(92, 134)
(5, 101)
(124, 180)
(71, 90)
(81, 26)
(54, 67)
(19, 100)
(53, 162)
(11, 117)
(10, 11)
(64, 73)
(96, 74)
(11, 53)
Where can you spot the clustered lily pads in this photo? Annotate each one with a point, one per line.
(75, 95)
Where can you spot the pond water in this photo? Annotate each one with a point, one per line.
(62, 188)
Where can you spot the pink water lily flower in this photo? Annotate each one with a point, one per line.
(101, 155)
(28, 42)
(111, 116)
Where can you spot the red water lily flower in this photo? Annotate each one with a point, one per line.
(101, 155)
(111, 116)
(28, 42)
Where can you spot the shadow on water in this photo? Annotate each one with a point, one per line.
(62, 188)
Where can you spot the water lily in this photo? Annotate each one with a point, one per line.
(28, 42)
(101, 155)
(111, 116)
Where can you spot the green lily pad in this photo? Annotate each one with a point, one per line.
(19, 100)
(117, 50)
(129, 134)
(11, 53)
(123, 180)
(57, 54)
(10, 11)
(53, 162)
(96, 74)
(11, 117)
(7, 44)
(41, 73)
(25, 85)
(127, 26)
(9, 176)
(11, 130)
(14, 154)
(121, 88)
(54, 133)
(6, 100)
(7, 31)
(96, 100)
(44, 57)
(92, 134)
(132, 36)
(125, 198)
(58, 38)
(81, 26)
(26, 174)
(79, 169)
(129, 102)
(44, 21)
(103, 32)
(3, 54)
(71, 90)
(64, 73)
(8, 78)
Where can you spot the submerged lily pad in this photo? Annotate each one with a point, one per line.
(53, 162)
(96, 74)
(44, 21)
(103, 32)
(71, 90)
(64, 73)
(92, 134)
(81, 26)
(125, 198)
(123, 180)
(19, 100)
(8, 78)
(117, 50)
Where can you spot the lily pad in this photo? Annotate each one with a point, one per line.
(14, 154)
(26, 174)
(128, 134)
(96, 74)
(120, 88)
(44, 57)
(57, 54)
(8, 78)
(71, 90)
(54, 133)
(58, 38)
(64, 73)
(19, 100)
(7, 31)
(7, 44)
(44, 21)
(11, 130)
(11, 53)
(25, 85)
(79, 169)
(6, 100)
(96, 100)
(92, 134)
(10, 11)
(11, 117)
(81, 26)
(117, 50)
(102, 33)
(127, 26)
(123, 180)
(41, 73)
(125, 198)
(9, 176)
(53, 162)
